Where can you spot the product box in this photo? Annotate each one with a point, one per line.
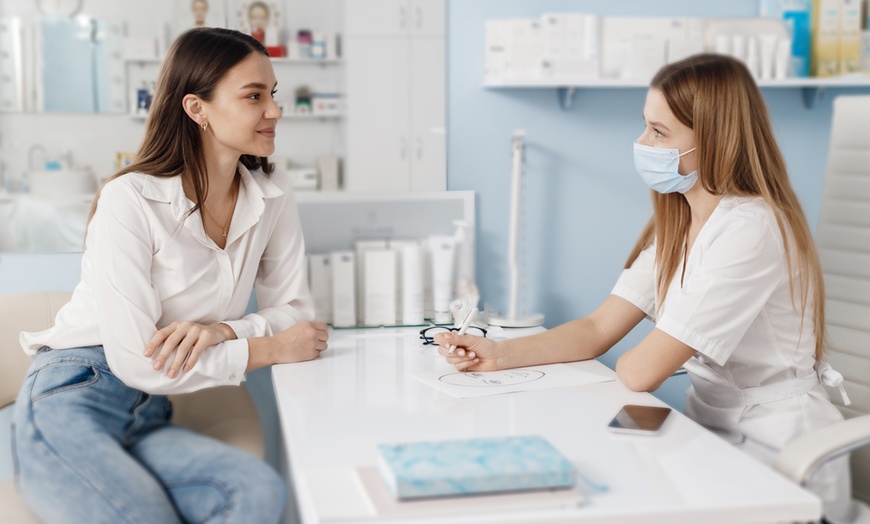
(320, 282)
(798, 16)
(380, 287)
(825, 38)
(343, 288)
(473, 466)
(849, 50)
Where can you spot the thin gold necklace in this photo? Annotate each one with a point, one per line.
(226, 228)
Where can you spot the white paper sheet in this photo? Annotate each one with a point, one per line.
(482, 383)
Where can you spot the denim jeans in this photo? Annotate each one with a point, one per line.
(87, 448)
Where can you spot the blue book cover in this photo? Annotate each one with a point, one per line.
(473, 466)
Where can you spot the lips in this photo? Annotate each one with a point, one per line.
(269, 132)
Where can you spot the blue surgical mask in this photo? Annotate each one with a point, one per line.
(658, 168)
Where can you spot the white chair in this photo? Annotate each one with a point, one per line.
(843, 240)
(227, 414)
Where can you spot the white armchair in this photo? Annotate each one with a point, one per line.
(843, 240)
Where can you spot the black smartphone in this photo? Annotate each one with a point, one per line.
(644, 420)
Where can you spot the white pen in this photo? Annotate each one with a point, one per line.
(464, 327)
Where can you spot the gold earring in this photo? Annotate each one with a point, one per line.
(204, 125)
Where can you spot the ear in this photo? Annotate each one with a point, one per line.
(194, 108)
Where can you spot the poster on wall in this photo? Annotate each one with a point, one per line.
(199, 13)
(262, 19)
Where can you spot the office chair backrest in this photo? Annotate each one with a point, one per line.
(22, 312)
(843, 240)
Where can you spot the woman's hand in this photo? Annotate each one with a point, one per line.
(472, 353)
(188, 340)
(303, 341)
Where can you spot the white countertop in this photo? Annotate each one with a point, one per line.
(335, 409)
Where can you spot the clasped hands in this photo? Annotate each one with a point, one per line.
(302, 341)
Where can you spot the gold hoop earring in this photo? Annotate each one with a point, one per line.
(204, 125)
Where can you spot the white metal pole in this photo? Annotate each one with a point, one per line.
(513, 244)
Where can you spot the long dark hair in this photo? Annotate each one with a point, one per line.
(196, 62)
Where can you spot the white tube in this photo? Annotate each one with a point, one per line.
(783, 58)
(768, 51)
(738, 47)
(752, 56)
(412, 285)
(442, 249)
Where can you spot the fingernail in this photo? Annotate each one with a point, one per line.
(476, 360)
(157, 364)
(147, 352)
(186, 368)
(171, 373)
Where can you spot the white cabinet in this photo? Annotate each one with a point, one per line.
(395, 81)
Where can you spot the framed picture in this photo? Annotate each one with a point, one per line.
(262, 19)
(199, 13)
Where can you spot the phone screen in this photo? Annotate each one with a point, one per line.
(639, 419)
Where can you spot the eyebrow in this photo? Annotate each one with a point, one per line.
(256, 85)
(655, 124)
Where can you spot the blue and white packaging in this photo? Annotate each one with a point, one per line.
(473, 466)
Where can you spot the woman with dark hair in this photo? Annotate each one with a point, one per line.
(175, 244)
(726, 268)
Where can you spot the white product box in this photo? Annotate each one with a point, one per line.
(380, 286)
(343, 289)
(320, 282)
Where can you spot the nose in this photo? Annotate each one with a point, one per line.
(645, 138)
(273, 111)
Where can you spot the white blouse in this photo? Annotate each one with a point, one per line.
(145, 265)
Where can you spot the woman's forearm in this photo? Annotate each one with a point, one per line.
(572, 341)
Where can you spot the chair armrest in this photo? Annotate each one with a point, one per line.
(802, 457)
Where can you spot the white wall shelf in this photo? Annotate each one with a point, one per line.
(288, 61)
(303, 116)
(813, 88)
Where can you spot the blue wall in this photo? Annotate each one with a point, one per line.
(584, 203)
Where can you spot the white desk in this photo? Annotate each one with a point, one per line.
(335, 409)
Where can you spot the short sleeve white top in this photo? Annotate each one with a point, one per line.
(734, 305)
(146, 265)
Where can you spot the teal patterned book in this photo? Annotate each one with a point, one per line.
(473, 466)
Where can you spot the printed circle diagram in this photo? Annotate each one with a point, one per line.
(492, 378)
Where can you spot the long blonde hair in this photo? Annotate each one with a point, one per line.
(716, 97)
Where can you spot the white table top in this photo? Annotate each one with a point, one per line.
(335, 409)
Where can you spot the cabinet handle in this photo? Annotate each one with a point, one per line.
(403, 148)
(419, 12)
(419, 148)
(403, 17)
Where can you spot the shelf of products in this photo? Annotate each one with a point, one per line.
(813, 88)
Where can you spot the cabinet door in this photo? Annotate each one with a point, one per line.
(427, 17)
(378, 145)
(428, 115)
(377, 17)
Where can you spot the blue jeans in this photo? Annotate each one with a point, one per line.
(87, 448)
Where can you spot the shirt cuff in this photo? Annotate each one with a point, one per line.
(710, 348)
(237, 360)
(242, 328)
(643, 303)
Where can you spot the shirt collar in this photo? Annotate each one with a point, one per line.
(255, 188)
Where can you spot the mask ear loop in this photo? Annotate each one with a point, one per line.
(686, 153)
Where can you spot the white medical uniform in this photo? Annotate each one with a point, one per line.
(147, 264)
(754, 376)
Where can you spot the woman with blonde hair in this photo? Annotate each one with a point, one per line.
(726, 269)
